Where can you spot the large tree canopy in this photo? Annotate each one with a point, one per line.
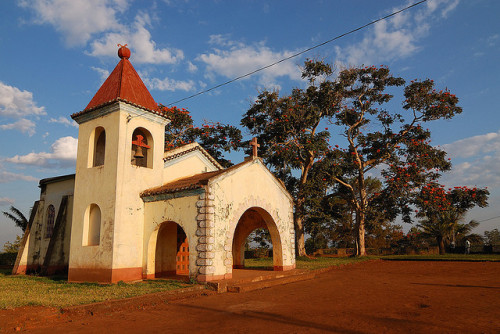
(379, 135)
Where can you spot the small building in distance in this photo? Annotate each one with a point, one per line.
(134, 211)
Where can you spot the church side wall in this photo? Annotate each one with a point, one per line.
(38, 241)
(249, 186)
(94, 185)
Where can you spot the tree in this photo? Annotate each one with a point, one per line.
(215, 137)
(12, 247)
(492, 237)
(17, 217)
(392, 141)
(441, 211)
(292, 142)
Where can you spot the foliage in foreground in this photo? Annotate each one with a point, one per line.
(16, 291)
(17, 217)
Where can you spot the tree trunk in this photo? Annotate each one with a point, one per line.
(360, 214)
(360, 222)
(300, 246)
(440, 241)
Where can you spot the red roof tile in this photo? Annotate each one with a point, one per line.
(123, 84)
(186, 183)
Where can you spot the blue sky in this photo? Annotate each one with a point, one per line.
(54, 54)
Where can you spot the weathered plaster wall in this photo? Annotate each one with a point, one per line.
(182, 211)
(95, 185)
(38, 242)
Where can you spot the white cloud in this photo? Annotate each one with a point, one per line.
(4, 201)
(482, 158)
(103, 73)
(77, 20)
(231, 59)
(482, 171)
(446, 6)
(23, 125)
(16, 103)
(6, 177)
(63, 155)
(396, 37)
(474, 146)
(138, 38)
(192, 67)
(95, 23)
(169, 84)
(64, 120)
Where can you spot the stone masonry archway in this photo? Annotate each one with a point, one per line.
(251, 219)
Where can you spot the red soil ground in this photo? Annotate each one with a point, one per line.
(371, 297)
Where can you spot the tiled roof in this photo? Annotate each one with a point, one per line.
(186, 183)
(123, 84)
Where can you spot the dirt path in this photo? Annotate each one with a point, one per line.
(372, 297)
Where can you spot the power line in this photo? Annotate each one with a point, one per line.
(297, 54)
(484, 220)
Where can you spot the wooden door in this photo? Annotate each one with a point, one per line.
(182, 261)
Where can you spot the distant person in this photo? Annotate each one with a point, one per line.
(467, 247)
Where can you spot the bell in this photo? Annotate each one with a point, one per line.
(138, 152)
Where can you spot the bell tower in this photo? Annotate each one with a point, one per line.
(120, 153)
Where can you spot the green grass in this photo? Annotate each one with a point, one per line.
(20, 290)
(308, 263)
(323, 262)
(444, 257)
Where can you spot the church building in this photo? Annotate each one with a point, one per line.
(134, 211)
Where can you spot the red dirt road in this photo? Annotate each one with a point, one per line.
(370, 297)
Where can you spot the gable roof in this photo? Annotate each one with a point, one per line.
(123, 84)
(188, 148)
(188, 183)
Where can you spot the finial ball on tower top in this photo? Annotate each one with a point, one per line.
(123, 51)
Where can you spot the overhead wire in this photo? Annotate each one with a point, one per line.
(485, 220)
(297, 54)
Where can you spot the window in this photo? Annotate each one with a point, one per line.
(142, 148)
(92, 226)
(51, 213)
(97, 147)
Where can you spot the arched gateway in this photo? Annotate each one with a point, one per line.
(252, 219)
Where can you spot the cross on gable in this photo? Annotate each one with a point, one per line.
(254, 145)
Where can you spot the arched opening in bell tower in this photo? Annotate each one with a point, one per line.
(142, 148)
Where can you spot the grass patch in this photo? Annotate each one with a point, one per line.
(20, 290)
(308, 263)
(444, 257)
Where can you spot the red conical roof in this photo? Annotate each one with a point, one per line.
(123, 84)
